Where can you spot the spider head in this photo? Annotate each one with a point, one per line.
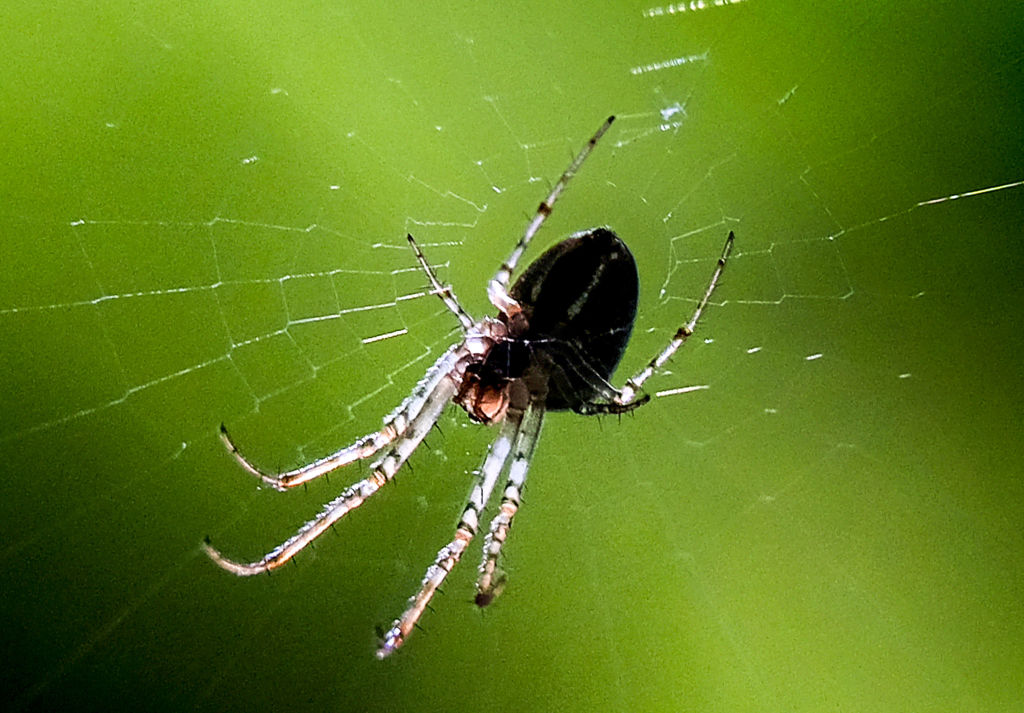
(483, 394)
(485, 379)
(489, 380)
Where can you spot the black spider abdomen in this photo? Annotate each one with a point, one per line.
(580, 300)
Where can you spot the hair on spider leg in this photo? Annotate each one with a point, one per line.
(631, 412)
(437, 427)
(426, 438)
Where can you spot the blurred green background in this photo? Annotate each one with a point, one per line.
(203, 216)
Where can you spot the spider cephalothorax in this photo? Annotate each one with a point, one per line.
(559, 334)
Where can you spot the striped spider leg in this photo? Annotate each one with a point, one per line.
(497, 288)
(395, 426)
(491, 581)
(404, 429)
(628, 394)
(419, 413)
(513, 449)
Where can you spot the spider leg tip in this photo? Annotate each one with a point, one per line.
(226, 438)
(389, 642)
(212, 552)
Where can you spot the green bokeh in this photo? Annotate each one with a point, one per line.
(834, 524)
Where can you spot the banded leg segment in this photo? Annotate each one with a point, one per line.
(492, 580)
(628, 393)
(448, 556)
(395, 426)
(382, 472)
(445, 292)
(497, 288)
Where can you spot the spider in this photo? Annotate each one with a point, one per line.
(559, 334)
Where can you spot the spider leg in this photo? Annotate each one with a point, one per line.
(497, 288)
(511, 435)
(445, 292)
(492, 580)
(382, 472)
(395, 426)
(628, 394)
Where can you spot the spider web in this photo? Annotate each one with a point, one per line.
(207, 223)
